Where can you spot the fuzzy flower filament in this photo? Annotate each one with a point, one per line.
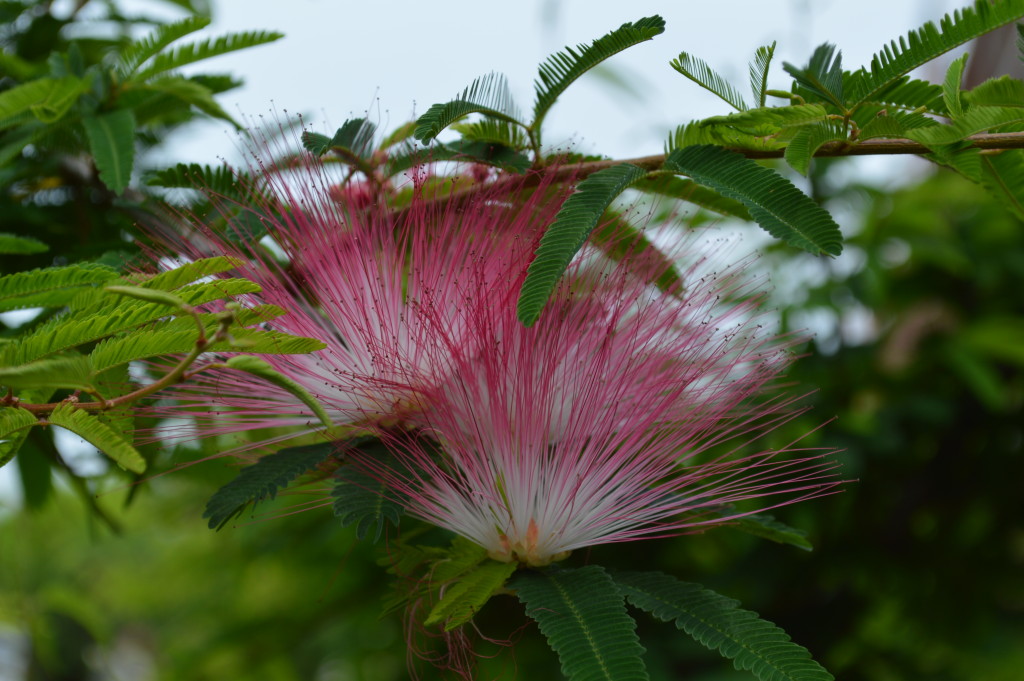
(609, 420)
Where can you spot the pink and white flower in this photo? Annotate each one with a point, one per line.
(362, 278)
(609, 420)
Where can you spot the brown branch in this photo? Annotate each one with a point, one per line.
(873, 147)
(176, 375)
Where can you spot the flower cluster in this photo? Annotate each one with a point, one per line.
(627, 411)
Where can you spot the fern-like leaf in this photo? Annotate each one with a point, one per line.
(823, 75)
(262, 369)
(774, 202)
(352, 143)
(922, 45)
(205, 49)
(135, 53)
(222, 180)
(566, 235)
(559, 70)
(263, 479)
(1005, 91)
(911, 94)
(893, 124)
(699, 72)
(759, 73)
(463, 599)
(488, 95)
(47, 99)
(192, 92)
(491, 131)
(808, 140)
(50, 287)
(724, 135)
(584, 618)
(489, 153)
(99, 435)
(767, 527)
(147, 343)
(718, 623)
(182, 275)
(771, 120)
(112, 143)
(974, 120)
(21, 245)
(73, 372)
(111, 315)
(13, 420)
(688, 190)
(951, 86)
(363, 501)
(1001, 174)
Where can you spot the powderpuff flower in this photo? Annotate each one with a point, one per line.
(621, 414)
(362, 277)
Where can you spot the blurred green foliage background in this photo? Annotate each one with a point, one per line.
(917, 568)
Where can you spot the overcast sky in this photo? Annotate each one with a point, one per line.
(391, 60)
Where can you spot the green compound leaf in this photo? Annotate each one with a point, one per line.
(99, 435)
(205, 49)
(974, 120)
(73, 372)
(21, 245)
(719, 624)
(759, 73)
(112, 143)
(1002, 91)
(13, 420)
(562, 68)
(688, 190)
(489, 153)
(774, 202)
(922, 45)
(353, 141)
(583, 616)
(567, 234)
(951, 86)
(263, 479)
(767, 527)
(488, 95)
(191, 91)
(913, 95)
(108, 315)
(148, 295)
(222, 180)
(823, 75)
(262, 369)
(808, 140)
(50, 287)
(699, 72)
(190, 272)
(135, 53)
(48, 99)
(363, 501)
(463, 599)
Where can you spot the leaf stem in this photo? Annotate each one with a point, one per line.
(177, 374)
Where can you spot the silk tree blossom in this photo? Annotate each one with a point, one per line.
(609, 420)
(361, 276)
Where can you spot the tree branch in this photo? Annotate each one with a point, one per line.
(873, 147)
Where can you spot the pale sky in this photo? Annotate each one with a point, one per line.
(391, 60)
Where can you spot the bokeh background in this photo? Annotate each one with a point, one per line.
(917, 365)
